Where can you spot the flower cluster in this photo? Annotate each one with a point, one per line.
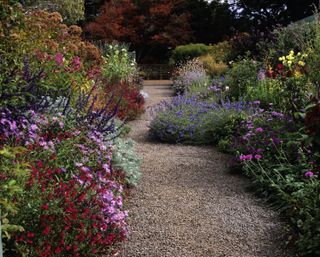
(72, 201)
(291, 66)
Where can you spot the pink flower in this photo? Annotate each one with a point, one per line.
(309, 174)
(76, 63)
(258, 156)
(59, 59)
(245, 157)
(259, 130)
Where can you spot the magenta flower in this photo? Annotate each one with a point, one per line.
(245, 157)
(59, 59)
(309, 174)
(258, 156)
(259, 130)
(76, 63)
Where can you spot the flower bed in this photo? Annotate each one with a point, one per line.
(64, 170)
(274, 140)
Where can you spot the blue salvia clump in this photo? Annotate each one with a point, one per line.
(188, 119)
(84, 113)
(20, 89)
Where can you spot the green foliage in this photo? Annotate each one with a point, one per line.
(186, 52)
(221, 52)
(12, 178)
(213, 68)
(267, 91)
(241, 75)
(313, 49)
(226, 128)
(295, 37)
(125, 159)
(296, 195)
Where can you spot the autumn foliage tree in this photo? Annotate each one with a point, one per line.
(150, 26)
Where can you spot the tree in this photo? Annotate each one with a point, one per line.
(150, 26)
(264, 15)
(92, 8)
(117, 20)
(210, 21)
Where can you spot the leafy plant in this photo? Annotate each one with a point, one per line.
(241, 75)
(125, 159)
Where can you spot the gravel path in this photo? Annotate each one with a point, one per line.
(189, 205)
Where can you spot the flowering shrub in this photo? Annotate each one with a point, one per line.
(269, 147)
(263, 132)
(189, 76)
(128, 98)
(71, 10)
(120, 64)
(72, 200)
(189, 120)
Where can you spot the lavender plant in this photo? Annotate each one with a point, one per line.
(189, 120)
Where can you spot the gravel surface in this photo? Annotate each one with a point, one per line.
(188, 204)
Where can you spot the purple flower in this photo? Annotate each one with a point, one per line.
(33, 127)
(245, 157)
(258, 156)
(309, 174)
(259, 130)
(257, 102)
(261, 74)
(106, 168)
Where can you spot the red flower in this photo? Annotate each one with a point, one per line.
(58, 250)
(46, 231)
(30, 235)
(280, 66)
(45, 207)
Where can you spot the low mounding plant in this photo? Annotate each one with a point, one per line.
(190, 75)
(125, 159)
(186, 119)
(184, 53)
(213, 67)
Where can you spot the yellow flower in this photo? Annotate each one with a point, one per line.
(291, 52)
(301, 63)
(297, 74)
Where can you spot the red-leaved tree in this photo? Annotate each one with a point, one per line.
(150, 26)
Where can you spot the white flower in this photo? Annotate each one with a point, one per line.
(227, 88)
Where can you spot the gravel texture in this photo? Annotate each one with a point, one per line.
(188, 204)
